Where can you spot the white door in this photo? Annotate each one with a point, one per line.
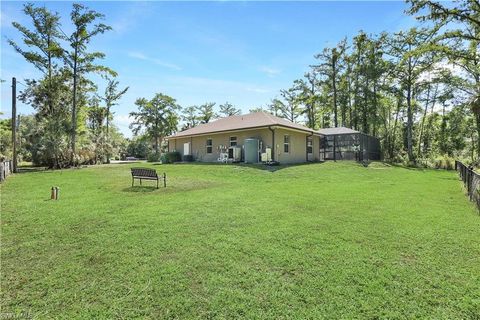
(310, 149)
(186, 149)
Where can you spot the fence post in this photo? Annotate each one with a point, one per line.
(469, 181)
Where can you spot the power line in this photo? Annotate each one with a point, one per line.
(22, 83)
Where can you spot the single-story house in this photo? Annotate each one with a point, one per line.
(255, 137)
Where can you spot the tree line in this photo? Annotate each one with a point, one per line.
(417, 90)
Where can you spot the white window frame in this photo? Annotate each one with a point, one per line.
(310, 145)
(233, 141)
(286, 138)
(207, 146)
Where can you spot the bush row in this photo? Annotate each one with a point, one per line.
(169, 157)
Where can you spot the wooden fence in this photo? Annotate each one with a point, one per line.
(6, 168)
(471, 180)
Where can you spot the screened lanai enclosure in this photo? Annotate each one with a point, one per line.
(347, 144)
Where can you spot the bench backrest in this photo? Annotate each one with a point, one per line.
(144, 172)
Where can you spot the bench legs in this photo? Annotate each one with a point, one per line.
(164, 177)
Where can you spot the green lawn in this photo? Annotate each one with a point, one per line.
(332, 240)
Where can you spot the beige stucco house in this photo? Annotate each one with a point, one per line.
(249, 138)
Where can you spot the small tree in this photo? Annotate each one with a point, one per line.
(290, 110)
(190, 116)
(227, 109)
(157, 116)
(206, 112)
(111, 96)
(331, 64)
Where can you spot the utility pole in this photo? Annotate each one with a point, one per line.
(14, 124)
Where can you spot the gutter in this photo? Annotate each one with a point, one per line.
(242, 129)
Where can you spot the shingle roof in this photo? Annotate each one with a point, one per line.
(338, 130)
(247, 121)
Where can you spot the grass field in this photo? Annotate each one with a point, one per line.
(332, 240)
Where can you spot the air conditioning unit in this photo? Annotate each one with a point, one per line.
(267, 155)
(235, 154)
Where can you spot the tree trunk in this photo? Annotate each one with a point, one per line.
(423, 121)
(334, 86)
(409, 113)
(392, 146)
(365, 108)
(107, 136)
(375, 108)
(74, 104)
(313, 105)
(349, 92)
(477, 120)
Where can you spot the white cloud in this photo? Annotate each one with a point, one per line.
(6, 20)
(122, 119)
(122, 122)
(141, 56)
(257, 90)
(437, 68)
(271, 72)
(131, 16)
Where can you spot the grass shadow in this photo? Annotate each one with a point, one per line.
(125, 162)
(398, 165)
(140, 189)
(273, 168)
(258, 166)
(31, 169)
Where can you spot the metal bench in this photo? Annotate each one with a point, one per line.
(147, 174)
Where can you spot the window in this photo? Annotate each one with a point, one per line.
(286, 143)
(209, 146)
(309, 145)
(233, 141)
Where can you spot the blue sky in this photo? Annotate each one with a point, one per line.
(241, 52)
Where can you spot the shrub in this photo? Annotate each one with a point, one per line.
(444, 162)
(164, 158)
(188, 158)
(171, 157)
(153, 157)
(174, 157)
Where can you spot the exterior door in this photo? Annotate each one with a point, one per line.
(310, 149)
(186, 149)
(321, 148)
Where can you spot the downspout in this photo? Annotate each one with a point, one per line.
(273, 143)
